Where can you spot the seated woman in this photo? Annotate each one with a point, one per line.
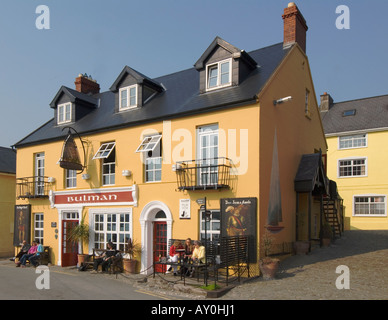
(174, 255)
(198, 254)
(187, 255)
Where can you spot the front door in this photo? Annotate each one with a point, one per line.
(69, 248)
(160, 243)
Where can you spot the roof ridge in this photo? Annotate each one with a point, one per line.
(360, 99)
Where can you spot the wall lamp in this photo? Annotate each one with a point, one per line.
(275, 102)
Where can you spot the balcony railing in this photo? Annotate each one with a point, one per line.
(32, 187)
(203, 174)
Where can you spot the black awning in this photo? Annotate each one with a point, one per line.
(311, 175)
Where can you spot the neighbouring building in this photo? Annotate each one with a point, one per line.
(356, 132)
(7, 200)
(241, 129)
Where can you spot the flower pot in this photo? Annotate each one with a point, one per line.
(129, 265)
(82, 258)
(269, 269)
(301, 247)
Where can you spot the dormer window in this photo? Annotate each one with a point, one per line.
(219, 74)
(64, 113)
(128, 97)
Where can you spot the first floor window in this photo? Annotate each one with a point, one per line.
(153, 169)
(71, 178)
(352, 168)
(213, 226)
(114, 227)
(38, 227)
(370, 205)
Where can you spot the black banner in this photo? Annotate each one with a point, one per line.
(22, 224)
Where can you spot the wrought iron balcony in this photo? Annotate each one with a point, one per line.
(32, 187)
(203, 174)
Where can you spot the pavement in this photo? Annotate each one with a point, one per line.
(352, 268)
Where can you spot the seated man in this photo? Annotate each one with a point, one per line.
(106, 259)
(23, 250)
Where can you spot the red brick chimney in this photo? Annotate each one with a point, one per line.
(295, 27)
(85, 84)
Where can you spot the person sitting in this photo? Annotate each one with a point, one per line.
(187, 256)
(106, 259)
(34, 259)
(174, 255)
(23, 260)
(198, 254)
(23, 250)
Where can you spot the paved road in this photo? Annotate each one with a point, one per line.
(66, 284)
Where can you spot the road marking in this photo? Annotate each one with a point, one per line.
(153, 294)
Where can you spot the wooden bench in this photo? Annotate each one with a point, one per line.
(44, 257)
(114, 267)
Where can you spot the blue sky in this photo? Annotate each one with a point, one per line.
(159, 37)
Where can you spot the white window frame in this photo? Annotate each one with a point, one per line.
(105, 150)
(105, 224)
(352, 138)
(70, 179)
(64, 113)
(129, 105)
(369, 203)
(153, 169)
(218, 65)
(207, 176)
(352, 165)
(39, 227)
(39, 173)
(149, 143)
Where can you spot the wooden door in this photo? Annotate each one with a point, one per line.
(69, 248)
(160, 243)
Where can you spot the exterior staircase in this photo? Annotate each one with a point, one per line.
(333, 212)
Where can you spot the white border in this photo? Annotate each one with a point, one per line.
(133, 189)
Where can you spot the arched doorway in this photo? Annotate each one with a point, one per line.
(156, 230)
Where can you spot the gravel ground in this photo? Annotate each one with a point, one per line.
(313, 276)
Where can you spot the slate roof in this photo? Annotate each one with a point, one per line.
(181, 97)
(7, 160)
(370, 113)
(311, 174)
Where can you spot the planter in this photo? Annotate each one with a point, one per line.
(325, 242)
(269, 269)
(301, 247)
(82, 258)
(129, 265)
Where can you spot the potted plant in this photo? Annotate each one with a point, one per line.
(326, 234)
(132, 249)
(268, 266)
(80, 234)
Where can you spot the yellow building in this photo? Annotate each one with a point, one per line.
(7, 200)
(232, 129)
(356, 132)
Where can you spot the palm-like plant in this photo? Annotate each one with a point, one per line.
(132, 249)
(80, 233)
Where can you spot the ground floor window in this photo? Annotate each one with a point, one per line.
(114, 227)
(38, 227)
(213, 226)
(370, 206)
